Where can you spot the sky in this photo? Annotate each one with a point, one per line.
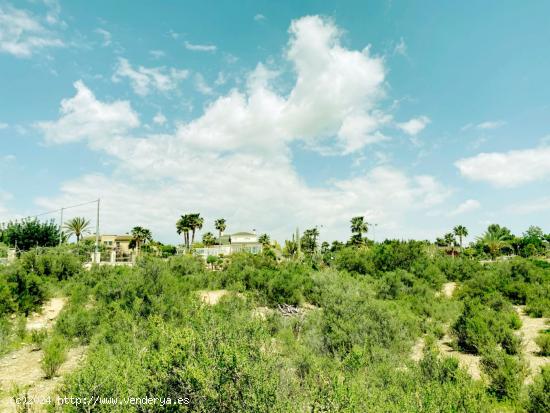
(274, 115)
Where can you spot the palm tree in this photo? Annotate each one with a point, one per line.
(358, 227)
(220, 225)
(141, 236)
(195, 222)
(450, 241)
(183, 226)
(495, 239)
(208, 239)
(264, 240)
(460, 231)
(77, 227)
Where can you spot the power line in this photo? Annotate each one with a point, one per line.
(54, 211)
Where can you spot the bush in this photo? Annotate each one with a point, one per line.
(481, 327)
(539, 392)
(506, 374)
(38, 337)
(543, 341)
(55, 354)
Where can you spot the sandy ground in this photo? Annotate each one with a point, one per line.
(213, 297)
(530, 328)
(22, 367)
(46, 317)
(471, 363)
(448, 289)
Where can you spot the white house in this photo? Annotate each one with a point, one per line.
(230, 244)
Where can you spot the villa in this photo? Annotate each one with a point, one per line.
(230, 244)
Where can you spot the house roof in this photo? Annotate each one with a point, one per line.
(243, 233)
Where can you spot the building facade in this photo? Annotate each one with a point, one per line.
(231, 244)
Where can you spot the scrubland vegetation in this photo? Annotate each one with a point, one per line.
(360, 309)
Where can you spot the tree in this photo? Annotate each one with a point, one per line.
(264, 240)
(208, 239)
(30, 233)
(450, 241)
(309, 240)
(460, 231)
(77, 227)
(141, 236)
(220, 225)
(183, 226)
(212, 260)
(195, 222)
(495, 239)
(358, 227)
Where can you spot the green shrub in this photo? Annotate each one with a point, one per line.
(481, 327)
(506, 374)
(543, 341)
(38, 337)
(21, 327)
(539, 392)
(55, 354)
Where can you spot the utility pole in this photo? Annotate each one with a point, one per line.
(61, 228)
(97, 234)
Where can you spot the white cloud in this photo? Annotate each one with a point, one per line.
(3, 125)
(22, 34)
(400, 48)
(84, 117)
(487, 125)
(259, 17)
(228, 161)
(467, 206)
(202, 86)
(200, 47)
(105, 35)
(159, 119)
(493, 124)
(507, 169)
(414, 126)
(145, 80)
(157, 54)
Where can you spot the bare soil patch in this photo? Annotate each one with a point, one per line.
(213, 297)
(530, 329)
(46, 318)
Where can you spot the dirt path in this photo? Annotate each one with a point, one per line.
(46, 318)
(530, 328)
(22, 367)
(469, 362)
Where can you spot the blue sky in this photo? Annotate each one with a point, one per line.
(419, 116)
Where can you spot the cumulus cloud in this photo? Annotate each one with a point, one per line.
(159, 119)
(259, 17)
(22, 34)
(507, 169)
(414, 126)
(238, 150)
(85, 117)
(467, 206)
(200, 47)
(145, 80)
